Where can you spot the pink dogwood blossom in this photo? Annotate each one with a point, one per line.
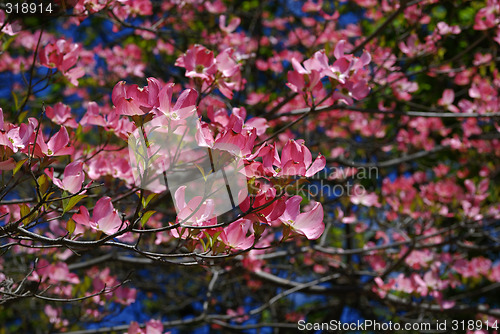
(235, 235)
(296, 159)
(309, 224)
(61, 114)
(130, 100)
(105, 217)
(183, 108)
(447, 100)
(195, 212)
(57, 145)
(199, 62)
(233, 24)
(73, 177)
(63, 55)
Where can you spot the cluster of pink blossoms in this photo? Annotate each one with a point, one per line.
(345, 74)
(59, 275)
(236, 135)
(29, 139)
(152, 327)
(230, 132)
(222, 71)
(63, 55)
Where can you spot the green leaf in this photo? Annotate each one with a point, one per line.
(43, 183)
(287, 230)
(25, 210)
(204, 245)
(210, 241)
(214, 238)
(467, 15)
(145, 201)
(439, 12)
(258, 228)
(16, 100)
(266, 316)
(71, 202)
(46, 205)
(19, 164)
(22, 116)
(201, 171)
(79, 131)
(6, 42)
(71, 226)
(145, 217)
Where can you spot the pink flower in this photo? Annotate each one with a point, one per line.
(296, 159)
(487, 17)
(63, 56)
(402, 87)
(74, 74)
(104, 217)
(497, 37)
(229, 69)
(237, 143)
(383, 288)
(60, 54)
(310, 6)
(54, 316)
(346, 65)
(447, 100)
(309, 224)
(183, 108)
(8, 164)
(130, 100)
(194, 213)
(10, 29)
(93, 6)
(495, 273)
(58, 272)
(346, 71)
(152, 327)
(140, 7)
(61, 114)
(480, 59)
(57, 144)
(419, 285)
(412, 47)
(270, 210)
(1, 120)
(305, 79)
(233, 24)
(18, 138)
(199, 62)
(204, 136)
(93, 116)
(351, 219)
(235, 235)
(73, 177)
(445, 29)
(215, 7)
(361, 197)
(238, 315)
(352, 90)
